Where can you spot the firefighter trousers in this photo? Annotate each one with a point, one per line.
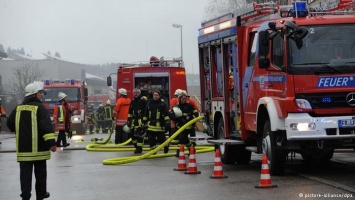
(154, 136)
(120, 135)
(40, 171)
(61, 139)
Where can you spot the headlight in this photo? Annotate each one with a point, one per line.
(303, 126)
(302, 103)
(76, 119)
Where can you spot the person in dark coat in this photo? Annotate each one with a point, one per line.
(34, 139)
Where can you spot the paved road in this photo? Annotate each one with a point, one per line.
(76, 174)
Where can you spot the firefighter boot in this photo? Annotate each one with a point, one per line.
(138, 150)
(166, 149)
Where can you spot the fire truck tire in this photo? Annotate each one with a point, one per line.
(226, 149)
(243, 156)
(320, 156)
(275, 155)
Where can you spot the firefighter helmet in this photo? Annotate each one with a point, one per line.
(33, 88)
(100, 105)
(183, 93)
(177, 112)
(61, 95)
(108, 102)
(126, 128)
(177, 92)
(122, 91)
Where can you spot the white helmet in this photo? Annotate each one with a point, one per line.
(108, 102)
(122, 91)
(126, 128)
(183, 93)
(177, 112)
(177, 92)
(100, 105)
(61, 95)
(33, 88)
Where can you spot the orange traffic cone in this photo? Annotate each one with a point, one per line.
(265, 180)
(181, 163)
(217, 170)
(192, 169)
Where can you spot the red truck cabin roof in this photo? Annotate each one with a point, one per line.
(151, 78)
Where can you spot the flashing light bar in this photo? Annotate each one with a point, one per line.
(300, 9)
(221, 26)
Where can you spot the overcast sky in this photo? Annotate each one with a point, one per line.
(103, 31)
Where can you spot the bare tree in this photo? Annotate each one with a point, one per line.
(25, 74)
(217, 8)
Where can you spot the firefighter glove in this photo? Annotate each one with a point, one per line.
(70, 133)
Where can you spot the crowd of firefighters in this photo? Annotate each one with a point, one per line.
(137, 118)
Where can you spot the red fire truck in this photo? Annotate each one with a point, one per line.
(98, 99)
(157, 74)
(278, 82)
(77, 93)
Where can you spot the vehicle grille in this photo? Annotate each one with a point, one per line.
(326, 100)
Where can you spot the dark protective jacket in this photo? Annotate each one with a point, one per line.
(136, 111)
(34, 131)
(188, 113)
(156, 116)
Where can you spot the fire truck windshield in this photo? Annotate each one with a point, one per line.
(325, 45)
(73, 94)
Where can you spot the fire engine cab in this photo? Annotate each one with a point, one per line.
(77, 98)
(157, 74)
(276, 80)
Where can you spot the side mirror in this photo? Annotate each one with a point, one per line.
(109, 81)
(263, 43)
(264, 62)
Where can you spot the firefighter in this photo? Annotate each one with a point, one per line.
(181, 114)
(108, 117)
(100, 114)
(193, 102)
(62, 119)
(156, 120)
(34, 140)
(91, 118)
(120, 111)
(134, 122)
(2, 114)
(173, 102)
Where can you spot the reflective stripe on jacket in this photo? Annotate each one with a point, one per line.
(60, 116)
(34, 131)
(121, 110)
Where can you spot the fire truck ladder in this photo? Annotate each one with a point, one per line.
(250, 12)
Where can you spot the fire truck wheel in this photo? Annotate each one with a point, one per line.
(276, 156)
(226, 149)
(242, 155)
(318, 156)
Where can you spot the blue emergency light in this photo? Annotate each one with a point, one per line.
(300, 9)
(47, 82)
(72, 81)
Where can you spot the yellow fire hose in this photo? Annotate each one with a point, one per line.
(150, 154)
